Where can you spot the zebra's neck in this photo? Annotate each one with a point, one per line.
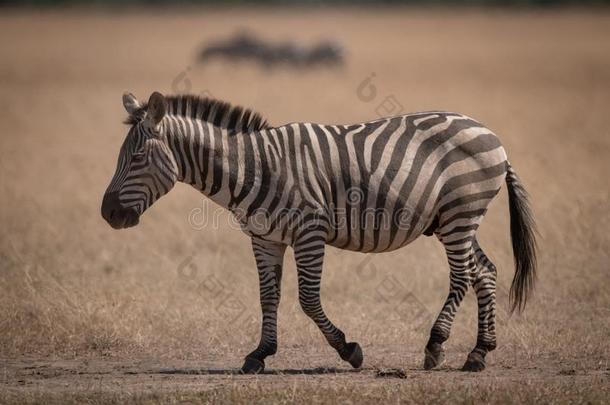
(212, 160)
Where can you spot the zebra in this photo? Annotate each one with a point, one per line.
(437, 170)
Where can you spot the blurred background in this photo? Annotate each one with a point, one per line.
(183, 288)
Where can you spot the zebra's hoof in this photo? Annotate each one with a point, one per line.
(434, 358)
(353, 354)
(475, 362)
(253, 366)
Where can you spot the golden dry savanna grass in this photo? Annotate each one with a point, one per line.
(166, 311)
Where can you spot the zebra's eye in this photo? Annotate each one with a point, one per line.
(138, 156)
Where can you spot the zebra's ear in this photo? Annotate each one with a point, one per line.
(131, 103)
(157, 107)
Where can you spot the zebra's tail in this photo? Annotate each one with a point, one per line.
(523, 238)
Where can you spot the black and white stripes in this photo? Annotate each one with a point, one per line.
(370, 187)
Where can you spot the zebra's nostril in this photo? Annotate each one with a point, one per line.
(110, 207)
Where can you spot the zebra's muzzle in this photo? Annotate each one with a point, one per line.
(116, 215)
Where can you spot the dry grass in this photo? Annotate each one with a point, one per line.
(413, 393)
(81, 303)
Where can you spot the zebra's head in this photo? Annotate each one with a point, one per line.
(146, 167)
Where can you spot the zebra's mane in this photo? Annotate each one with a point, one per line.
(217, 112)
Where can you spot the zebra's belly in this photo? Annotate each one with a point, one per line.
(368, 246)
(361, 231)
(375, 231)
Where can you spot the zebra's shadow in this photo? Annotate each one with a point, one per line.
(232, 371)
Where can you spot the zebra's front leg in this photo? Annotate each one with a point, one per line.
(269, 257)
(309, 257)
(461, 264)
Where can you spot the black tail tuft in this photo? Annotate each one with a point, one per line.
(523, 237)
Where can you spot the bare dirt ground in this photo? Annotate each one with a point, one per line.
(166, 311)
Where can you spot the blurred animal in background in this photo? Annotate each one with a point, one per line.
(245, 46)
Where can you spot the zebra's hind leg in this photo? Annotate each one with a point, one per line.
(269, 257)
(484, 283)
(458, 246)
(309, 257)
